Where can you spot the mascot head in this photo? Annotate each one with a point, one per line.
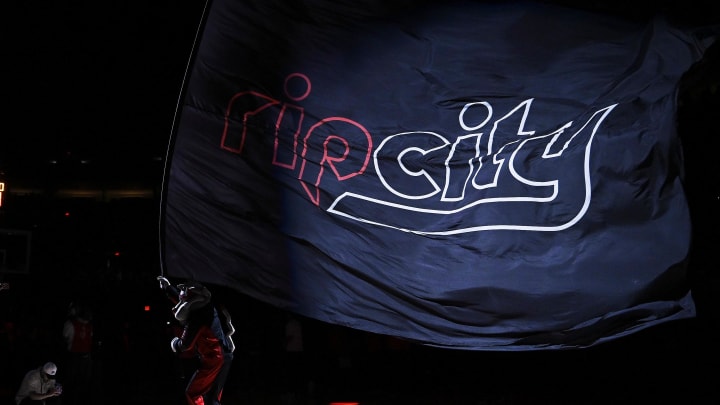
(193, 295)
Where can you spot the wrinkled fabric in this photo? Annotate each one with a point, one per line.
(484, 176)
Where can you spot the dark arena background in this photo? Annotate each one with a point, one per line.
(91, 91)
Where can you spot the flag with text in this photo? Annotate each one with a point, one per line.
(475, 175)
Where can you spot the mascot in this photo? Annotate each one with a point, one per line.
(202, 333)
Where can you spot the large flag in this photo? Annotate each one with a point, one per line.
(474, 175)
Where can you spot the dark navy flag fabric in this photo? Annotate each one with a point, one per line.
(483, 176)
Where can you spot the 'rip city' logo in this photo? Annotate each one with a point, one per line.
(427, 183)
